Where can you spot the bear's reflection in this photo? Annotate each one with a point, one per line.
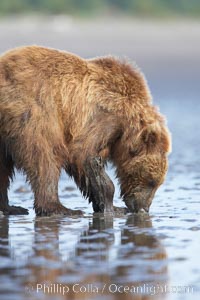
(145, 269)
(4, 248)
(133, 258)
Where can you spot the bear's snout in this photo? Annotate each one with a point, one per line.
(139, 203)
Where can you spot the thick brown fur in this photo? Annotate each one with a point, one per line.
(57, 109)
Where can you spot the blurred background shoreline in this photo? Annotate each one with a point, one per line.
(93, 8)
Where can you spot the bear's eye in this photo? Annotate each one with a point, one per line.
(152, 183)
(134, 152)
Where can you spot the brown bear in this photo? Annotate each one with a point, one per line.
(58, 110)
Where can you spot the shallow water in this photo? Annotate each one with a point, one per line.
(131, 257)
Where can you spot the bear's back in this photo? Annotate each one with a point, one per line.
(49, 62)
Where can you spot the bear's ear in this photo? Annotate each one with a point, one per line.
(145, 140)
(150, 135)
(155, 135)
(166, 141)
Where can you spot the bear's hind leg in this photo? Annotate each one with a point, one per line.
(6, 173)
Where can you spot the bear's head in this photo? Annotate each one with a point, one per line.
(143, 164)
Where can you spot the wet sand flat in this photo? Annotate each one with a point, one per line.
(132, 257)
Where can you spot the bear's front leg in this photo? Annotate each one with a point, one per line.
(47, 203)
(100, 186)
(45, 187)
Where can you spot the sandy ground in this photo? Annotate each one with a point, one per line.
(151, 252)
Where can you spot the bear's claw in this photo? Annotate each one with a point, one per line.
(57, 209)
(120, 210)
